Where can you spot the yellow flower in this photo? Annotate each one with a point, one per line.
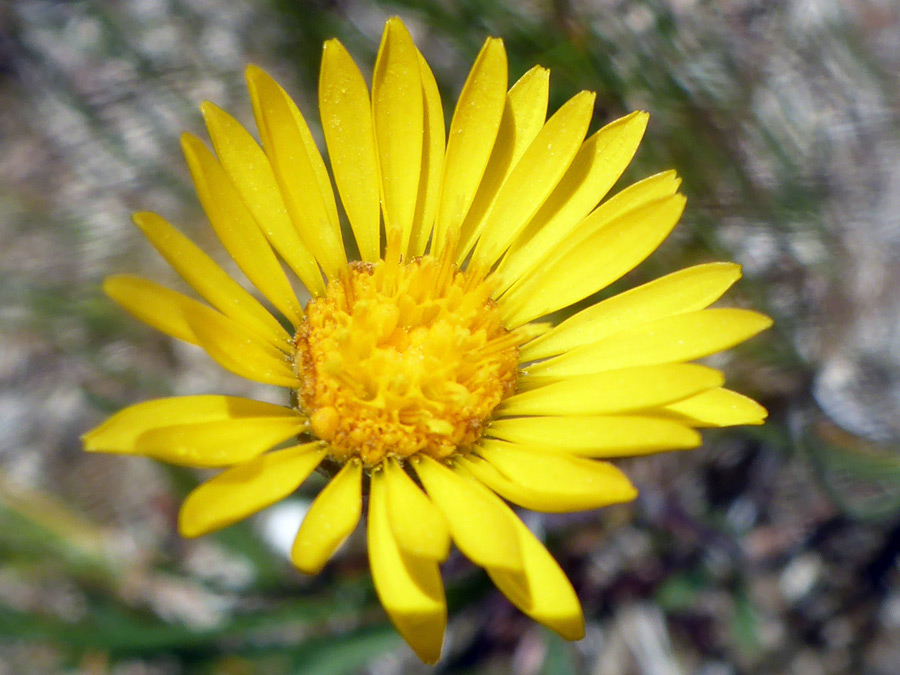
(417, 374)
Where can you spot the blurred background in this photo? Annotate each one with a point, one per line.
(770, 550)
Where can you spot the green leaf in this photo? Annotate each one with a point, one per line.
(345, 653)
(559, 658)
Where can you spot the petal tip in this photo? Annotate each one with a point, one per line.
(394, 27)
(429, 656)
(189, 527)
(255, 77)
(210, 111)
(88, 441)
(639, 119)
(717, 376)
(303, 563)
(333, 48)
(586, 97)
(538, 71)
(571, 629)
(678, 201)
(190, 144)
(763, 413)
(112, 284)
(252, 71)
(140, 217)
(692, 441)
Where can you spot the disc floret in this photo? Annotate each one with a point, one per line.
(403, 358)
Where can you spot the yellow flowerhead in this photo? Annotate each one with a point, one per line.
(416, 373)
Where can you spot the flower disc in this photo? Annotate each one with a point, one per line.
(404, 358)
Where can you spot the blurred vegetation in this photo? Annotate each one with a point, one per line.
(773, 549)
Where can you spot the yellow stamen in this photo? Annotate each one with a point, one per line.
(399, 358)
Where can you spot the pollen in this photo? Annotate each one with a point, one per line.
(402, 358)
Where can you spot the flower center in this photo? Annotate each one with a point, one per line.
(403, 358)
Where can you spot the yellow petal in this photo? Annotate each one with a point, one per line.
(552, 600)
(330, 520)
(597, 166)
(248, 168)
(219, 443)
(519, 494)
(601, 252)
(299, 170)
(719, 408)
(432, 159)
(480, 524)
(523, 117)
(536, 174)
(550, 481)
(121, 432)
(418, 526)
(683, 337)
(255, 77)
(237, 230)
(527, 100)
(649, 189)
(211, 281)
(262, 89)
(247, 488)
(619, 436)
(164, 309)
(398, 111)
(410, 588)
(240, 351)
(614, 391)
(471, 139)
(346, 113)
(231, 345)
(687, 290)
